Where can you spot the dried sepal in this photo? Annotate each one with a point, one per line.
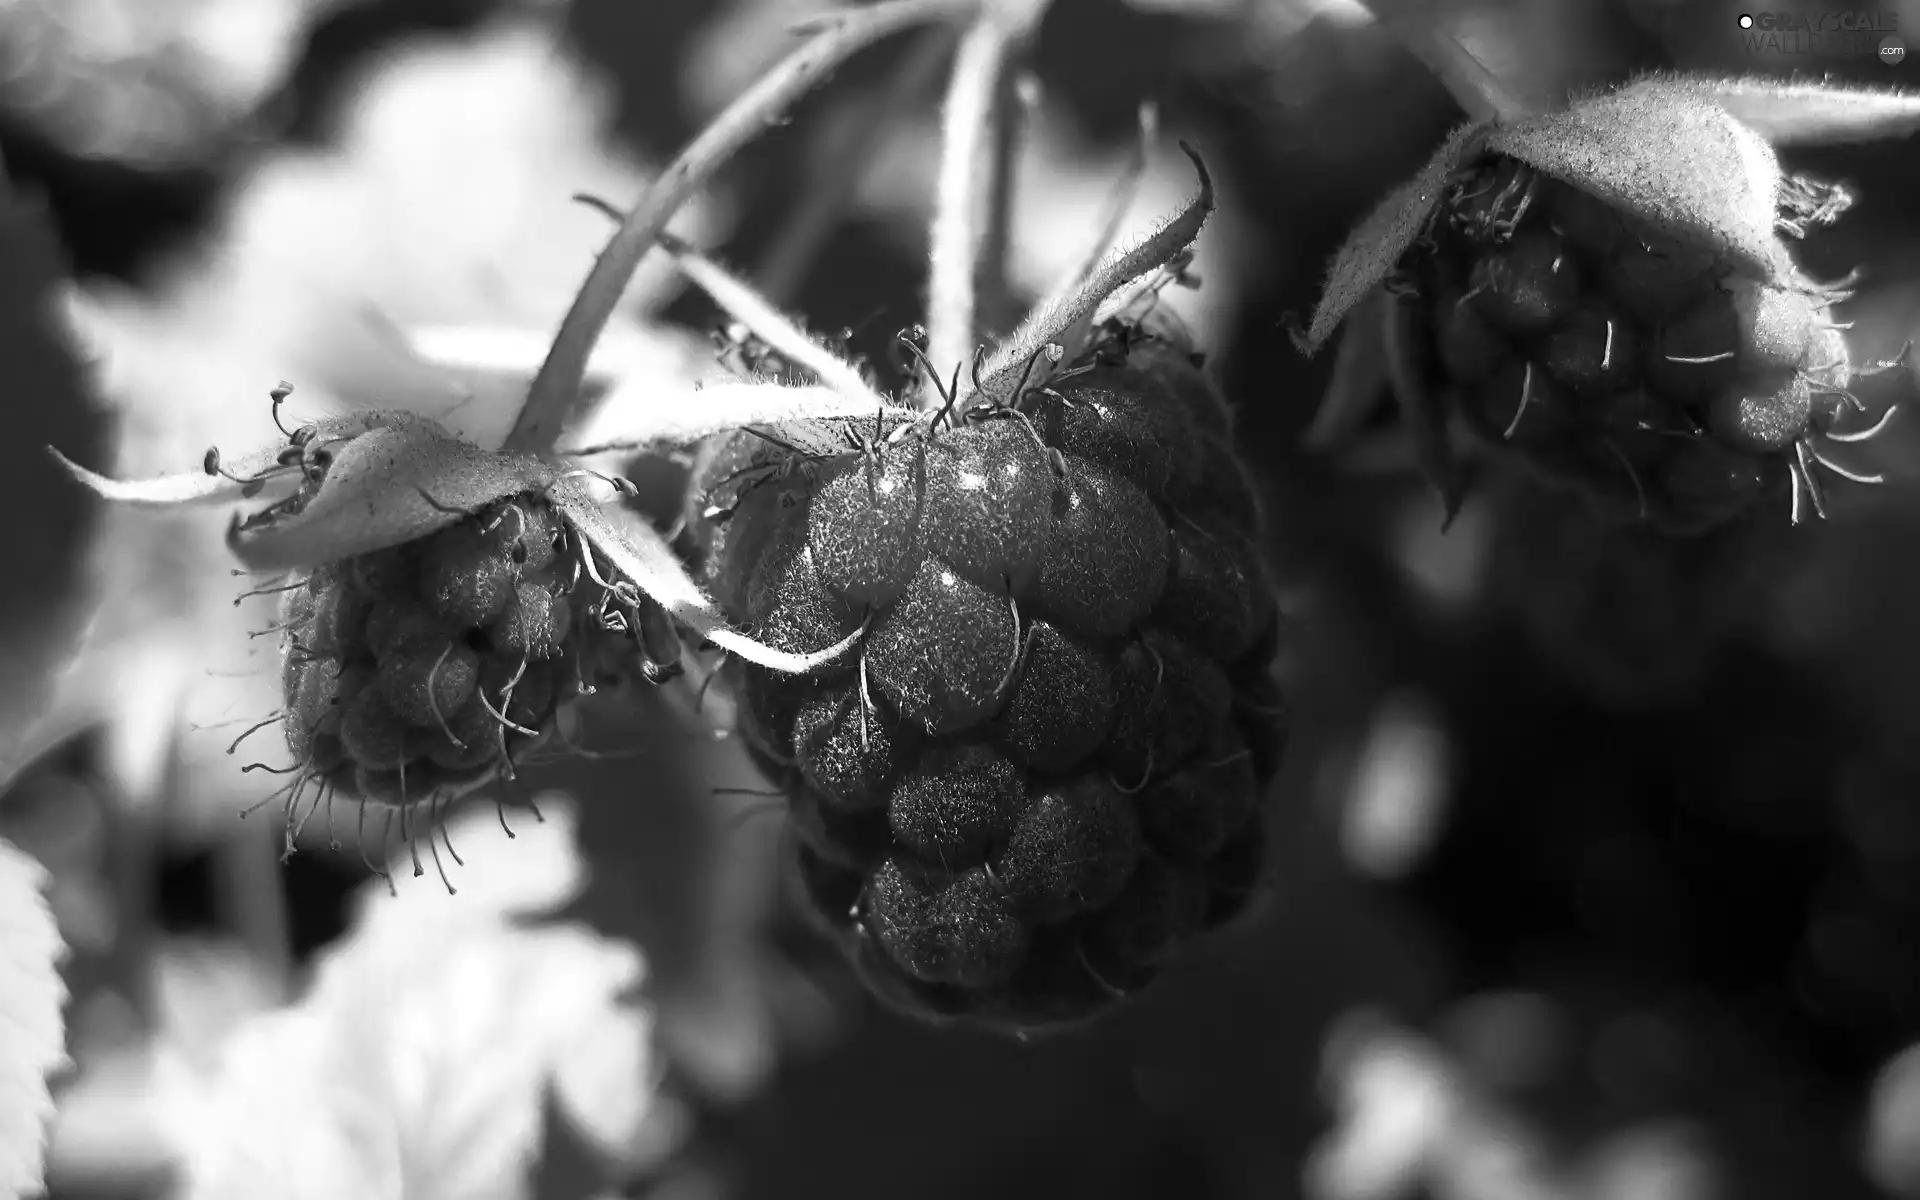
(386, 487)
(647, 418)
(1068, 321)
(1359, 376)
(1788, 113)
(767, 323)
(643, 558)
(228, 484)
(1674, 161)
(1373, 250)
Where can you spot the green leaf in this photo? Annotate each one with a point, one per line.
(1671, 158)
(1788, 113)
(32, 1033)
(420, 1062)
(1373, 250)
(385, 487)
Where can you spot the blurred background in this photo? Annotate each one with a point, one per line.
(1597, 866)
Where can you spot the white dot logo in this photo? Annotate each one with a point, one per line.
(1746, 21)
(1893, 51)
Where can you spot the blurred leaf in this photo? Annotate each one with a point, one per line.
(1892, 1148)
(287, 1116)
(157, 83)
(42, 610)
(32, 1033)
(420, 1063)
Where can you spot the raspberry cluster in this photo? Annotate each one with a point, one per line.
(1618, 360)
(423, 669)
(1038, 770)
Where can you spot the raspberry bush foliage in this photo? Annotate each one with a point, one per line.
(1006, 641)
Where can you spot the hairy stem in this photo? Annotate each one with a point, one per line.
(768, 323)
(963, 191)
(837, 37)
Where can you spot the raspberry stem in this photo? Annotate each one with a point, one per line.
(965, 184)
(839, 36)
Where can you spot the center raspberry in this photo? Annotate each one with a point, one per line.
(1038, 772)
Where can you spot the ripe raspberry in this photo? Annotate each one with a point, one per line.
(1617, 361)
(420, 670)
(1038, 774)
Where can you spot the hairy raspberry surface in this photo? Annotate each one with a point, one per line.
(429, 666)
(1038, 773)
(1615, 361)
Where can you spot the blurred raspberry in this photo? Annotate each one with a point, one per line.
(1619, 362)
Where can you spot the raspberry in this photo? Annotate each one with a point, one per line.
(1618, 362)
(419, 670)
(1036, 776)
(534, 623)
